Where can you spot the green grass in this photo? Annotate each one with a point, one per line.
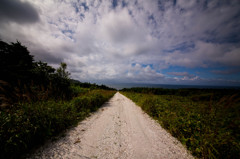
(208, 126)
(28, 125)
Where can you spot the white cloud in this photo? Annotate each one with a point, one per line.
(184, 76)
(138, 73)
(99, 42)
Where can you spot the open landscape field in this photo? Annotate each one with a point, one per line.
(125, 79)
(206, 121)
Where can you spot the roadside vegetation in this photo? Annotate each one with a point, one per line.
(206, 121)
(38, 102)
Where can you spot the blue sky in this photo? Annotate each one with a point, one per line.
(131, 41)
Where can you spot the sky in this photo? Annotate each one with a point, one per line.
(193, 42)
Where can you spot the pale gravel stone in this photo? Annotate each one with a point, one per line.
(119, 130)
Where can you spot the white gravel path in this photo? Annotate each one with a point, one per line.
(119, 130)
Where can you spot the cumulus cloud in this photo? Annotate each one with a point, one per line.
(184, 76)
(144, 73)
(128, 40)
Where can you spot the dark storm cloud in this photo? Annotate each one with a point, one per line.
(43, 55)
(17, 11)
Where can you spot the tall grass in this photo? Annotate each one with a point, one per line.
(208, 127)
(29, 124)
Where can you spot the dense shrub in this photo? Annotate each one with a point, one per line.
(31, 123)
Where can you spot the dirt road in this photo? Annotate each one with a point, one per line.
(120, 129)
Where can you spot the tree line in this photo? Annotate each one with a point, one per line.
(24, 79)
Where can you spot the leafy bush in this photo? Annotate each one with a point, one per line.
(31, 123)
(78, 91)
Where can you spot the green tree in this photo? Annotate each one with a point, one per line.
(23, 79)
(61, 71)
(15, 63)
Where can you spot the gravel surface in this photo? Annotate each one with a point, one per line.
(120, 129)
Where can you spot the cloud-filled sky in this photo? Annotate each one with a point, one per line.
(131, 41)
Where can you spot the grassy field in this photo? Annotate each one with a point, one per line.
(206, 121)
(28, 125)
